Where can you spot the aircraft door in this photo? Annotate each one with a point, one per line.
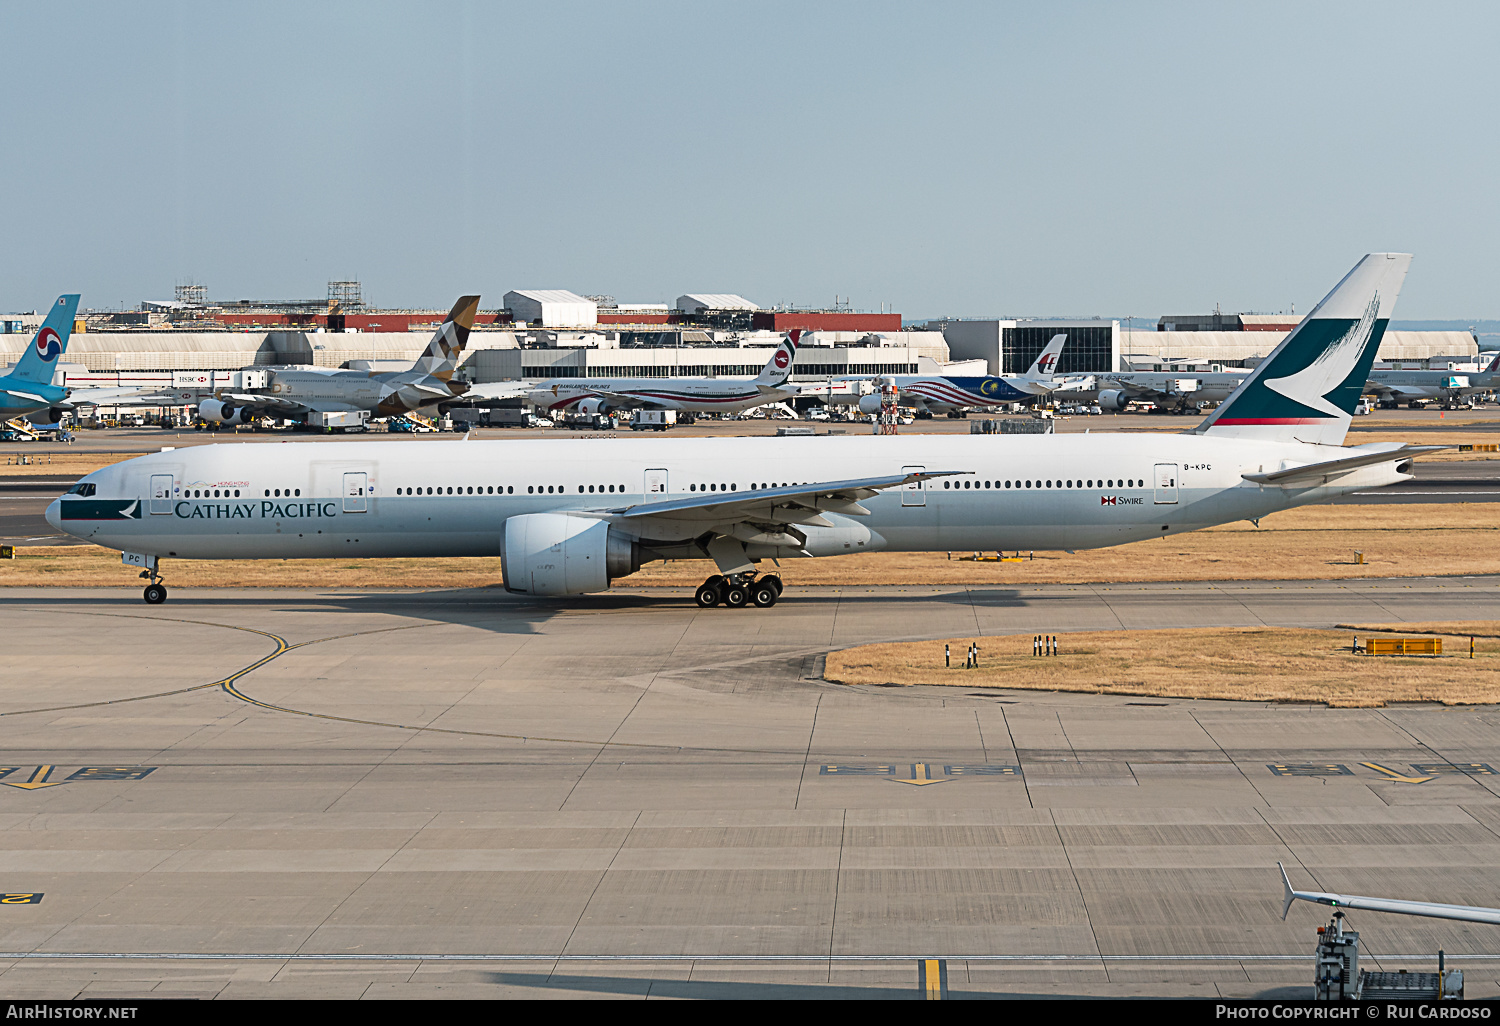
(1166, 483)
(656, 484)
(356, 490)
(914, 494)
(161, 493)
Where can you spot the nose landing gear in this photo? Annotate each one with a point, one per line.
(739, 590)
(155, 593)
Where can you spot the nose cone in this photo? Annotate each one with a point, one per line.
(54, 513)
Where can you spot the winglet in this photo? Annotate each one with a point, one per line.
(1289, 895)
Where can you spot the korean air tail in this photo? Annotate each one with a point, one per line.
(1306, 390)
(779, 367)
(39, 361)
(447, 345)
(1046, 361)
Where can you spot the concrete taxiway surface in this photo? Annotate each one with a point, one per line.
(472, 794)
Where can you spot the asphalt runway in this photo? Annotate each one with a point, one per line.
(471, 794)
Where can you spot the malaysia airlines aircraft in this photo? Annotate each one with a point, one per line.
(941, 393)
(568, 516)
(686, 395)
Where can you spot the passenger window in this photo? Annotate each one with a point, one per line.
(236, 492)
(298, 491)
(947, 484)
(509, 489)
(611, 487)
(528, 489)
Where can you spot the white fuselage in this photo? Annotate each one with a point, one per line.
(452, 498)
(686, 395)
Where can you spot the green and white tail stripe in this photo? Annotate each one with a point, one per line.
(1306, 390)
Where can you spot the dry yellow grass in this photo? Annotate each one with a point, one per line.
(1446, 628)
(1310, 543)
(46, 464)
(1251, 664)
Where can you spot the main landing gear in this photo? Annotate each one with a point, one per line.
(739, 590)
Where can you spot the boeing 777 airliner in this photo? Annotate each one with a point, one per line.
(568, 516)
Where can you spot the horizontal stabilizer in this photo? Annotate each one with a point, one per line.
(1316, 472)
(1430, 909)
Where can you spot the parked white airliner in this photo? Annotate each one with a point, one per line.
(568, 516)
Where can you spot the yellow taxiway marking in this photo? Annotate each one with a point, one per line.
(932, 979)
(1393, 775)
(37, 779)
(919, 776)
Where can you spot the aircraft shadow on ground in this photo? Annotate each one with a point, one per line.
(488, 608)
(720, 990)
(704, 990)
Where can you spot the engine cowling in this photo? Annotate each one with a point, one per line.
(592, 407)
(1113, 399)
(216, 411)
(869, 403)
(558, 554)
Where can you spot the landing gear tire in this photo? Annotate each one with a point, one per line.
(155, 594)
(707, 595)
(765, 595)
(736, 595)
(774, 582)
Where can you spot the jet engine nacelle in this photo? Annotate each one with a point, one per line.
(558, 554)
(592, 407)
(869, 403)
(216, 411)
(1113, 399)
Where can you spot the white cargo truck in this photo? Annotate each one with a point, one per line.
(653, 420)
(341, 420)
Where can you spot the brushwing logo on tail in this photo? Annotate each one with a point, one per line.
(1310, 386)
(48, 344)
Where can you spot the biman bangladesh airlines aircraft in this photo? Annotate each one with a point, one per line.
(567, 517)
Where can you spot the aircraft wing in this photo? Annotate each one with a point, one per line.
(1431, 909)
(260, 400)
(724, 525)
(497, 390)
(1316, 473)
(767, 507)
(123, 396)
(326, 406)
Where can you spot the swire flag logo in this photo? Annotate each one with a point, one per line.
(48, 344)
(1107, 500)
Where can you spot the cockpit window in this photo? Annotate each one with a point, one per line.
(82, 488)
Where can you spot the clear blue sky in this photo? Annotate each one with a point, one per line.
(945, 159)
